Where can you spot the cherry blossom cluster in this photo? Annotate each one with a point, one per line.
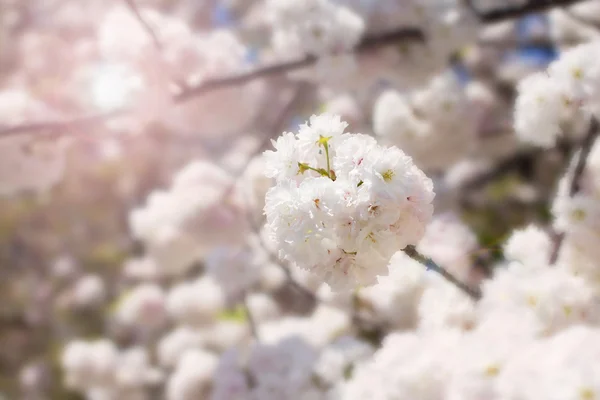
(500, 347)
(182, 224)
(100, 370)
(316, 27)
(568, 90)
(433, 125)
(342, 204)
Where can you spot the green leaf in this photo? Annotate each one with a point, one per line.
(237, 314)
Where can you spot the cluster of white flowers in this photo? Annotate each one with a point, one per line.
(144, 307)
(102, 371)
(490, 349)
(570, 88)
(195, 303)
(342, 204)
(183, 224)
(192, 376)
(89, 291)
(433, 125)
(291, 369)
(234, 270)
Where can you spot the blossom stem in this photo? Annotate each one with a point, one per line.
(250, 318)
(305, 167)
(413, 253)
(585, 149)
(328, 162)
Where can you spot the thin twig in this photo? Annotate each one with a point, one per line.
(135, 10)
(413, 253)
(181, 84)
(574, 187)
(250, 318)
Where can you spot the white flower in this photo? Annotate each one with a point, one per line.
(284, 368)
(407, 366)
(338, 360)
(183, 224)
(89, 364)
(530, 246)
(556, 298)
(283, 162)
(233, 269)
(89, 291)
(396, 297)
(172, 346)
(538, 110)
(317, 27)
(443, 306)
(143, 306)
(559, 367)
(196, 303)
(434, 125)
(231, 383)
(325, 324)
(192, 376)
(134, 370)
(450, 243)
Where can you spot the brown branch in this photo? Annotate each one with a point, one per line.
(531, 7)
(574, 187)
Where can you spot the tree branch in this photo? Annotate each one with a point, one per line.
(64, 125)
(574, 187)
(412, 252)
(250, 318)
(531, 7)
(368, 43)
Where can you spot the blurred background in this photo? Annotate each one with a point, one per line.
(102, 102)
